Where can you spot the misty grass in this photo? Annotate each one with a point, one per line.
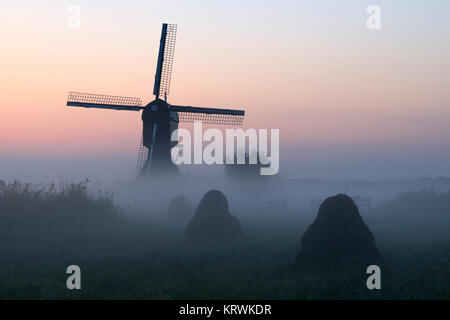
(145, 258)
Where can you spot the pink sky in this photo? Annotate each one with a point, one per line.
(336, 85)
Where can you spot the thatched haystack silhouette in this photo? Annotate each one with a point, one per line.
(212, 218)
(337, 233)
(180, 210)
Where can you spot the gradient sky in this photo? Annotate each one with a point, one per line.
(350, 103)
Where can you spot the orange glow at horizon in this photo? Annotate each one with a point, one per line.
(310, 86)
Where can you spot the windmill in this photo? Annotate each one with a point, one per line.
(159, 118)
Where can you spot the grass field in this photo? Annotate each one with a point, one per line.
(145, 258)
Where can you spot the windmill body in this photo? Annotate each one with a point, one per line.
(158, 125)
(159, 118)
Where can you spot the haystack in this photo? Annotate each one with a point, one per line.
(212, 218)
(338, 232)
(180, 210)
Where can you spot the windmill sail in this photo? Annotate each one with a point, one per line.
(89, 100)
(142, 157)
(208, 115)
(165, 61)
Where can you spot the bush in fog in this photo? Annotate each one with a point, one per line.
(246, 171)
(427, 203)
(20, 204)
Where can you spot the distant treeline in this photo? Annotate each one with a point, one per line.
(426, 204)
(74, 205)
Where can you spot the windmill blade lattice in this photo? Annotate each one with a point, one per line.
(142, 157)
(208, 115)
(210, 118)
(90, 100)
(165, 61)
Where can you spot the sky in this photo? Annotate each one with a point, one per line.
(350, 103)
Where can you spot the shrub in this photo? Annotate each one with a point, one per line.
(20, 204)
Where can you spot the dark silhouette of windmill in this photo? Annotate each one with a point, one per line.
(159, 118)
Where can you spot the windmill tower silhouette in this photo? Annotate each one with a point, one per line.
(159, 118)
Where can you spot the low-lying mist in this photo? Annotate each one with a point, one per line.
(127, 247)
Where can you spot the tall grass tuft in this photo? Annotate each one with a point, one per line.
(21, 205)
